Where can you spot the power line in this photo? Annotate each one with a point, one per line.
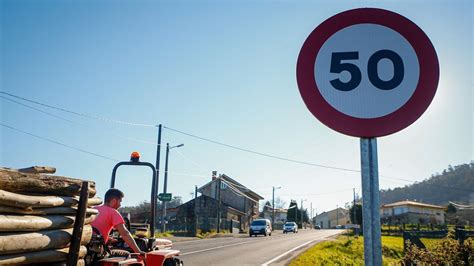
(461, 206)
(236, 190)
(192, 161)
(260, 153)
(100, 118)
(310, 194)
(39, 110)
(77, 113)
(194, 136)
(59, 143)
(76, 123)
(296, 161)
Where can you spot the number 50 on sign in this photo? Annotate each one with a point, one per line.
(367, 72)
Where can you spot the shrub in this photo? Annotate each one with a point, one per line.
(447, 252)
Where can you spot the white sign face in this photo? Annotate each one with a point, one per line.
(367, 72)
(344, 59)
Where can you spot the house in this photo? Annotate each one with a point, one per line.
(412, 212)
(331, 219)
(201, 214)
(234, 195)
(223, 197)
(280, 214)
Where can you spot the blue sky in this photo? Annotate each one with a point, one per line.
(222, 70)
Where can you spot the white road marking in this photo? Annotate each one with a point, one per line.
(207, 249)
(291, 250)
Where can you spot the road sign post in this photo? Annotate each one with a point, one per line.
(368, 73)
(371, 202)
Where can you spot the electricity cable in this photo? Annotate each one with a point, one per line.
(100, 118)
(77, 113)
(260, 153)
(61, 144)
(76, 123)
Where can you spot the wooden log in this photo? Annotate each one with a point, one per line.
(44, 211)
(18, 182)
(44, 256)
(12, 243)
(27, 201)
(29, 223)
(38, 170)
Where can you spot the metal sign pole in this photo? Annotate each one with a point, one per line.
(371, 202)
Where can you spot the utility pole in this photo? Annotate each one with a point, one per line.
(195, 191)
(157, 167)
(354, 212)
(273, 205)
(302, 219)
(165, 183)
(311, 219)
(219, 204)
(337, 215)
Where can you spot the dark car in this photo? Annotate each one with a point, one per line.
(317, 227)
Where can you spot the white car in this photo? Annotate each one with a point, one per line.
(260, 227)
(290, 227)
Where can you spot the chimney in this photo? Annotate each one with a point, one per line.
(214, 175)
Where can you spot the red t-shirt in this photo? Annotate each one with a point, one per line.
(107, 219)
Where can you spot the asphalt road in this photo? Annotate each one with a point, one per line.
(277, 249)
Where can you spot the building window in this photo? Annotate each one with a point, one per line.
(223, 185)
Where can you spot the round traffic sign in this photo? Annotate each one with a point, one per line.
(367, 72)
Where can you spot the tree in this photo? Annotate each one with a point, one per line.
(293, 212)
(450, 208)
(358, 214)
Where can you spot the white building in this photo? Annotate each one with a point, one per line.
(412, 212)
(331, 219)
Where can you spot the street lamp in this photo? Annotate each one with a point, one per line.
(273, 205)
(302, 219)
(168, 148)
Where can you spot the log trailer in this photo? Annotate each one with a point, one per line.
(158, 251)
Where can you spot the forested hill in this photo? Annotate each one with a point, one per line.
(454, 184)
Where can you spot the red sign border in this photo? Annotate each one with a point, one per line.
(373, 127)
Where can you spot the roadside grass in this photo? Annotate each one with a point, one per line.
(431, 243)
(349, 250)
(163, 235)
(211, 234)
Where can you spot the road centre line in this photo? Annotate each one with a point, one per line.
(200, 240)
(291, 250)
(218, 247)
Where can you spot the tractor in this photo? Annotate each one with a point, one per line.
(159, 252)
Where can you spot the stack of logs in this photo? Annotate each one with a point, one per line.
(37, 213)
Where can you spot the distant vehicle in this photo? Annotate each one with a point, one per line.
(317, 227)
(339, 226)
(260, 227)
(290, 227)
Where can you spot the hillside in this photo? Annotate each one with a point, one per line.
(454, 184)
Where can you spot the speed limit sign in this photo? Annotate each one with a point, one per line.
(367, 72)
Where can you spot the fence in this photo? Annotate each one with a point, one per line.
(206, 224)
(397, 230)
(414, 236)
(203, 224)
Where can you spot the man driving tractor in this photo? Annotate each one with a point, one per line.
(109, 218)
